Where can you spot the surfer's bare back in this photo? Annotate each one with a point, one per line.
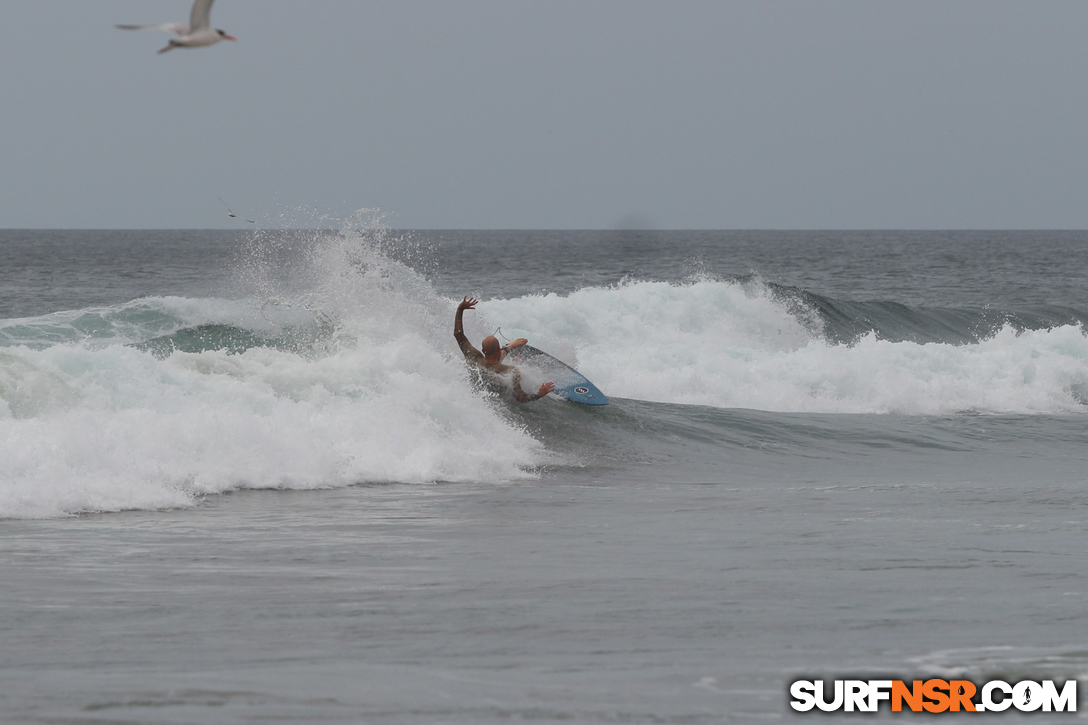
(491, 357)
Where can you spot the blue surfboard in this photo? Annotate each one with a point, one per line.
(569, 383)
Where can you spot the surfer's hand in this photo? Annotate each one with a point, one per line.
(516, 343)
(468, 303)
(545, 389)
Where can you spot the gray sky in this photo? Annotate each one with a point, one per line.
(829, 114)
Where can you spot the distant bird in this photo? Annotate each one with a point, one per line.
(232, 214)
(198, 32)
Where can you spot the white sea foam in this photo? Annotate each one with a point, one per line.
(103, 426)
(131, 431)
(730, 345)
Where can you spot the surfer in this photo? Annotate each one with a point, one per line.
(490, 360)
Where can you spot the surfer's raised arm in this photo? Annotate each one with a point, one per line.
(470, 352)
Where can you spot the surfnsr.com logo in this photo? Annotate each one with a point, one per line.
(933, 696)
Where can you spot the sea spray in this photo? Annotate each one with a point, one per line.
(383, 397)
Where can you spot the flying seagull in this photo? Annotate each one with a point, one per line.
(198, 32)
(232, 214)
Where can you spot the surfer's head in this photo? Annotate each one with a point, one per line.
(490, 348)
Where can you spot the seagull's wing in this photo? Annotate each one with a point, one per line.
(201, 14)
(179, 28)
(231, 213)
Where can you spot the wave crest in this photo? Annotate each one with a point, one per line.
(743, 344)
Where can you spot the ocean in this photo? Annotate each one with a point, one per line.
(246, 477)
